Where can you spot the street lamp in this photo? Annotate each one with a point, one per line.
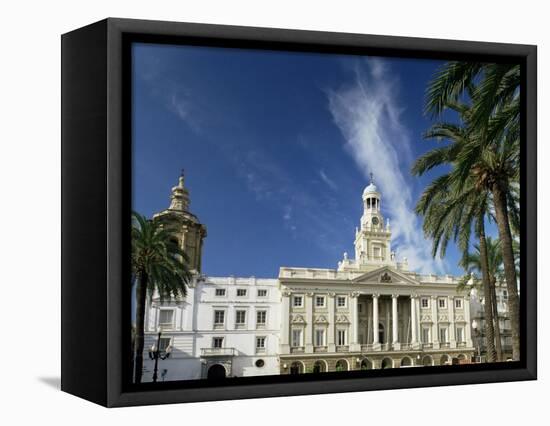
(477, 333)
(155, 353)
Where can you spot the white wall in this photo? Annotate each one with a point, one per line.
(30, 164)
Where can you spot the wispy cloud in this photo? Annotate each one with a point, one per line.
(181, 103)
(369, 115)
(331, 184)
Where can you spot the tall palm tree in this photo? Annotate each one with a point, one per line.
(472, 262)
(158, 265)
(492, 157)
(452, 208)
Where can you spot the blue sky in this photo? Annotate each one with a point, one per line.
(277, 148)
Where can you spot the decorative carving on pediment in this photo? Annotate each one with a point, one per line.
(297, 319)
(320, 319)
(459, 318)
(443, 318)
(385, 278)
(342, 319)
(426, 318)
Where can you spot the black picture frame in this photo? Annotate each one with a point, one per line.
(96, 179)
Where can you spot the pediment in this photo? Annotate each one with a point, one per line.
(297, 319)
(385, 275)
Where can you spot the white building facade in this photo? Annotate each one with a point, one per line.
(369, 312)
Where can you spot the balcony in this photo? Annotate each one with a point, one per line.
(367, 348)
(320, 349)
(209, 352)
(444, 345)
(343, 348)
(297, 350)
(427, 345)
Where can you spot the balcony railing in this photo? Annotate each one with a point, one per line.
(297, 350)
(366, 348)
(343, 348)
(427, 345)
(385, 347)
(217, 351)
(405, 346)
(320, 349)
(444, 345)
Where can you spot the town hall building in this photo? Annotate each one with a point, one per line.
(370, 312)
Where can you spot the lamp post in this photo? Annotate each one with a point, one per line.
(155, 353)
(477, 333)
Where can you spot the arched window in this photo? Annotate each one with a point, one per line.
(296, 367)
(319, 366)
(342, 365)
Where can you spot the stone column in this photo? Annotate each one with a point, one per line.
(468, 327)
(354, 320)
(331, 345)
(435, 326)
(308, 338)
(375, 321)
(452, 329)
(395, 322)
(414, 335)
(285, 323)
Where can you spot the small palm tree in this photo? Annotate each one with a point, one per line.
(158, 265)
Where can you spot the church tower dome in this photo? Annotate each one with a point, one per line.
(184, 226)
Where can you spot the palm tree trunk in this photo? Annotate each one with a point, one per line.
(141, 294)
(499, 191)
(498, 342)
(487, 305)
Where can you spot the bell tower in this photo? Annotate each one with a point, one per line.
(185, 227)
(373, 238)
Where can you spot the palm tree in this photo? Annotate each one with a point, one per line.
(492, 157)
(472, 262)
(452, 208)
(158, 265)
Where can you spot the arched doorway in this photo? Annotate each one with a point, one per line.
(387, 363)
(296, 367)
(445, 360)
(406, 362)
(319, 366)
(366, 364)
(381, 333)
(427, 361)
(461, 358)
(216, 372)
(342, 365)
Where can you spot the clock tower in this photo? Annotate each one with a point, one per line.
(373, 238)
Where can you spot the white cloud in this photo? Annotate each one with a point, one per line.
(370, 118)
(331, 184)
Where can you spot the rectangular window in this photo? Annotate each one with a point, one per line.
(241, 292)
(261, 318)
(219, 317)
(320, 301)
(341, 338)
(425, 335)
(220, 292)
(458, 303)
(166, 318)
(341, 301)
(217, 342)
(296, 337)
(262, 293)
(442, 303)
(443, 335)
(297, 301)
(425, 302)
(260, 342)
(164, 343)
(320, 337)
(240, 318)
(460, 334)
